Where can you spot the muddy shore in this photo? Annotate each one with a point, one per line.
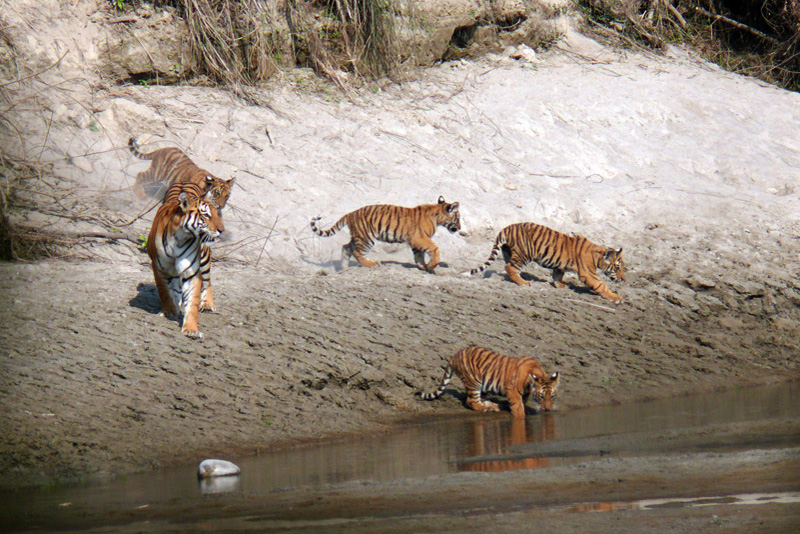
(96, 383)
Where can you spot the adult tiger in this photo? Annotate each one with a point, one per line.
(178, 246)
(485, 371)
(171, 166)
(395, 224)
(523, 243)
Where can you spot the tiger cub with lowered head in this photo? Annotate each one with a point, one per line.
(484, 371)
(178, 247)
(169, 166)
(395, 224)
(523, 243)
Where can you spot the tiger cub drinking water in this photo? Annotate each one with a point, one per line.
(484, 371)
(523, 243)
(395, 224)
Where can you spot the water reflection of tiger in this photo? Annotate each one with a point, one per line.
(492, 438)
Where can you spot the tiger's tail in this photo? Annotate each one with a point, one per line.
(433, 395)
(330, 231)
(137, 151)
(499, 242)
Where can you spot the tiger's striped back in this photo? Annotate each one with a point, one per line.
(171, 166)
(485, 371)
(527, 242)
(395, 224)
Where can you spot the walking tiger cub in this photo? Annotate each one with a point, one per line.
(484, 371)
(170, 166)
(178, 247)
(395, 224)
(523, 243)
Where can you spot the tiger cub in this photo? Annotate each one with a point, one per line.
(523, 243)
(170, 166)
(395, 224)
(178, 247)
(484, 371)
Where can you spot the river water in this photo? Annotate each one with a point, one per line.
(468, 441)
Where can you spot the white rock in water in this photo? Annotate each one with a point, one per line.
(217, 468)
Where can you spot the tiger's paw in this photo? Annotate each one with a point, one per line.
(207, 308)
(192, 334)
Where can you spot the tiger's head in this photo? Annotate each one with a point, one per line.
(544, 390)
(612, 265)
(200, 218)
(217, 191)
(448, 215)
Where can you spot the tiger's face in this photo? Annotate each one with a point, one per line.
(217, 191)
(211, 221)
(612, 264)
(544, 390)
(201, 218)
(449, 217)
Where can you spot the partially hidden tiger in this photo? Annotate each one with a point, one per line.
(485, 371)
(169, 166)
(183, 229)
(395, 224)
(527, 242)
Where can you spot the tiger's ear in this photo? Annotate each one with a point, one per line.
(183, 201)
(619, 252)
(209, 179)
(452, 207)
(230, 182)
(554, 378)
(441, 200)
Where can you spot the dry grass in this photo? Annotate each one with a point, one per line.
(242, 43)
(19, 241)
(761, 41)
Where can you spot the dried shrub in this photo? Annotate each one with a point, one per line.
(20, 241)
(246, 42)
(759, 39)
(234, 41)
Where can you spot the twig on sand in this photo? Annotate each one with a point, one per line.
(716, 195)
(142, 214)
(591, 304)
(35, 74)
(271, 230)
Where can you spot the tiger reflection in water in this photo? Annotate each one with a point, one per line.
(493, 437)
